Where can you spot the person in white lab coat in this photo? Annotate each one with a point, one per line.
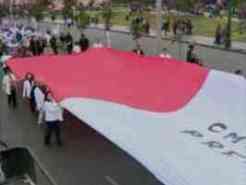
(53, 116)
(39, 95)
(37, 99)
(27, 87)
(9, 86)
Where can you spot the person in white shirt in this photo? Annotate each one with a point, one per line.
(76, 49)
(27, 86)
(9, 87)
(97, 44)
(165, 54)
(53, 116)
(37, 97)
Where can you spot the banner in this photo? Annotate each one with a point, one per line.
(184, 123)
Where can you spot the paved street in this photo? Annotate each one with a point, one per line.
(212, 58)
(86, 158)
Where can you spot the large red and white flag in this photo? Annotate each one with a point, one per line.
(184, 123)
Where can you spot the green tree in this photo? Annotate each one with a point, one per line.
(37, 13)
(3, 12)
(68, 9)
(107, 15)
(38, 8)
(82, 19)
(186, 5)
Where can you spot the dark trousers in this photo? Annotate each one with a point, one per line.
(54, 49)
(52, 127)
(70, 49)
(32, 105)
(12, 101)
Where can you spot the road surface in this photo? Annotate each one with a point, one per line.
(86, 158)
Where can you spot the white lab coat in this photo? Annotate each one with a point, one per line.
(6, 83)
(27, 87)
(39, 98)
(50, 111)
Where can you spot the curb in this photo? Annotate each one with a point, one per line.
(233, 50)
(241, 51)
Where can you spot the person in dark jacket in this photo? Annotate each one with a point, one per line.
(32, 97)
(53, 45)
(69, 43)
(218, 35)
(33, 46)
(84, 43)
(191, 56)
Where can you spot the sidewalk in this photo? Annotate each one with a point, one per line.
(201, 40)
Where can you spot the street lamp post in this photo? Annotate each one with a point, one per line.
(158, 21)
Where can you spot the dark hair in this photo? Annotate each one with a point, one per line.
(46, 95)
(191, 46)
(27, 74)
(238, 72)
(6, 70)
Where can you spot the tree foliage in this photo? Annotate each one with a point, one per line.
(83, 19)
(38, 8)
(68, 8)
(186, 5)
(107, 15)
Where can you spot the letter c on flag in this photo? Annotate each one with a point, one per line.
(217, 127)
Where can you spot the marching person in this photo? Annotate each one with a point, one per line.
(27, 87)
(9, 86)
(53, 116)
(84, 43)
(191, 57)
(69, 43)
(33, 46)
(53, 44)
(37, 99)
(166, 26)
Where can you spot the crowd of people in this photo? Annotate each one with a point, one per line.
(22, 41)
(40, 100)
(183, 25)
(36, 94)
(140, 25)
